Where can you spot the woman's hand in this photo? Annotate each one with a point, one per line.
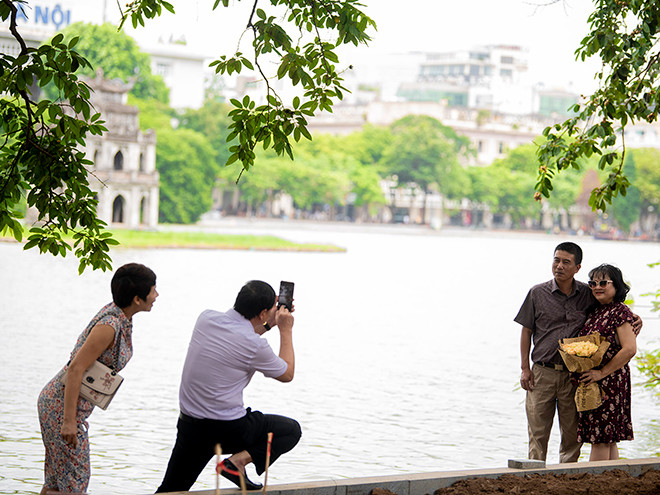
(69, 432)
(592, 376)
(100, 338)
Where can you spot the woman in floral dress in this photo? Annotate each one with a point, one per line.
(62, 412)
(611, 422)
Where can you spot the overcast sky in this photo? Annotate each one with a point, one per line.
(551, 33)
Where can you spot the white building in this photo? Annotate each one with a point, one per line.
(182, 71)
(493, 77)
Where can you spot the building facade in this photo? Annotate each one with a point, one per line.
(124, 173)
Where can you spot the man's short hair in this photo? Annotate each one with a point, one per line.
(572, 248)
(130, 280)
(253, 298)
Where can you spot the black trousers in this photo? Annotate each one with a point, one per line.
(196, 440)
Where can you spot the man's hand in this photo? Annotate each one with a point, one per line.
(284, 319)
(637, 324)
(527, 379)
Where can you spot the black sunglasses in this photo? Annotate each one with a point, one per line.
(602, 283)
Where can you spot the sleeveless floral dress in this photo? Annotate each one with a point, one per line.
(67, 469)
(611, 422)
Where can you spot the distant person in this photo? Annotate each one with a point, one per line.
(62, 412)
(611, 422)
(224, 352)
(553, 310)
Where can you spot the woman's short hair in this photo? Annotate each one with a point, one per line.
(253, 298)
(130, 280)
(615, 275)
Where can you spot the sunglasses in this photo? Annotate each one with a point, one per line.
(601, 283)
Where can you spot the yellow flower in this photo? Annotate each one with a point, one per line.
(582, 349)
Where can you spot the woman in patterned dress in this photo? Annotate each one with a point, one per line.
(62, 413)
(611, 422)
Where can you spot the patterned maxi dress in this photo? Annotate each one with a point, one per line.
(66, 468)
(611, 422)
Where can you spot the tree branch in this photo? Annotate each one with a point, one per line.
(324, 59)
(254, 9)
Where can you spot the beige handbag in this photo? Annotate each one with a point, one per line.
(99, 384)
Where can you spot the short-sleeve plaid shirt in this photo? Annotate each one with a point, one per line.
(551, 315)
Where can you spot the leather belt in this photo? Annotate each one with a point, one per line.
(554, 366)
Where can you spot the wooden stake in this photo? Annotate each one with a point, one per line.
(243, 489)
(270, 442)
(218, 453)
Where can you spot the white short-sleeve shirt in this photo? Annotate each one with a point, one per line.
(223, 354)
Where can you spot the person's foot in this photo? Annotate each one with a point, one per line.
(230, 471)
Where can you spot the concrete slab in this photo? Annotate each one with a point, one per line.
(526, 464)
(425, 483)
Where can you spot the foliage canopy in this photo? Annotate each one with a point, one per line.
(119, 56)
(39, 153)
(39, 140)
(304, 40)
(624, 35)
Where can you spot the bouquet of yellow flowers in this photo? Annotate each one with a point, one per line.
(581, 354)
(581, 348)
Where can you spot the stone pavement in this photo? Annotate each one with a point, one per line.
(425, 483)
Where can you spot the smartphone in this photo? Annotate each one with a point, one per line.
(286, 295)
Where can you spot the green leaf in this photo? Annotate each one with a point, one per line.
(168, 7)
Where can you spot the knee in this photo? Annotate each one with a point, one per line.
(286, 431)
(295, 430)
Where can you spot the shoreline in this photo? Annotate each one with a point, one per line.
(193, 237)
(260, 227)
(399, 228)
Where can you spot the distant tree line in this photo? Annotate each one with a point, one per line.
(418, 153)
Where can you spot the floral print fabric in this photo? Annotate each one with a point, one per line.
(611, 422)
(67, 469)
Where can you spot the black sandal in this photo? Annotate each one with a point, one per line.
(229, 471)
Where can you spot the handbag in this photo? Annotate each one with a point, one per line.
(99, 384)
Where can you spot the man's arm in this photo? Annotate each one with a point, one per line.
(284, 320)
(526, 377)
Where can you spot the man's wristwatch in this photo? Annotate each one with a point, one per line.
(267, 326)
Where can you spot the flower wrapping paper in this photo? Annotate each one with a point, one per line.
(587, 397)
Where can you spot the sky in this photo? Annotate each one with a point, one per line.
(551, 33)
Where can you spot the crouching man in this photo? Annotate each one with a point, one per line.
(224, 352)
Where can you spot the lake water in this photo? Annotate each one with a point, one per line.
(407, 355)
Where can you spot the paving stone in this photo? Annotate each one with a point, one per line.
(526, 464)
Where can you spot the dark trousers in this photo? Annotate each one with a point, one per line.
(196, 440)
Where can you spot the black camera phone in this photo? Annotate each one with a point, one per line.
(286, 295)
